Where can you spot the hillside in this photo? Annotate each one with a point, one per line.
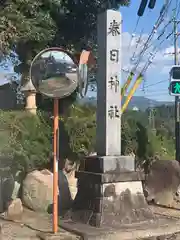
(137, 101)
(143, 103)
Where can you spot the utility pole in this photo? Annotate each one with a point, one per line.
(177, 112)
(177, 117)
(151, 116)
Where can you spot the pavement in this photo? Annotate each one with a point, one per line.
(36, 226)
(32, 226)
(166, 226)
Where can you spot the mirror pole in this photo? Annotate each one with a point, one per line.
(55, 165)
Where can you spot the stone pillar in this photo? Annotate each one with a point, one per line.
(30, 101)
(108, 84)
(30, 95)
(110, 190)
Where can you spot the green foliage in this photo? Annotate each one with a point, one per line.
(128, 135)
(137, 137)
(28, 26)
(26, 22)
(46, 104)
(81, 128)
(40, 23)
(138, 116)
(26, 141)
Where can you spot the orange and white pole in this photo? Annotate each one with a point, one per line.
(55, 165)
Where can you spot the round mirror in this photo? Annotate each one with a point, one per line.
(54, 73)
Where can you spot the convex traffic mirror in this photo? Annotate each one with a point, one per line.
(54, 73)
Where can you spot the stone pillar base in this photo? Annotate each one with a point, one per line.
(31, 102)
(112, 198)
(31, 110)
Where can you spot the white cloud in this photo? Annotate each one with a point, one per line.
(161, 63)
(131, 49)
(158, 70)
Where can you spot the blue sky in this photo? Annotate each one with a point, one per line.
(158, 72)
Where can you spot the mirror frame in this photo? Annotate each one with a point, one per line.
(83, 82)
(58, 49)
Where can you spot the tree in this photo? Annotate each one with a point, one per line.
(80, 125)
(28, 26)
(25, 141)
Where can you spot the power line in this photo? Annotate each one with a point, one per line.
(154, 30)
(148, 45)
(162, 94)
(161, 34)
(154, 84)
(133, 35)
(158, 22)
(177, 117)
(137, 44)
(157, 92)
(154, 52)
(178, 8)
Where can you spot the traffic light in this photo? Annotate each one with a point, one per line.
(174, 85)
(143, 5)
(152, 4)
(174, 88)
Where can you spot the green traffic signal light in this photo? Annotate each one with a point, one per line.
(175, 87)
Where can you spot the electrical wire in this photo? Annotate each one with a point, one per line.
(157, 39)
(159, 94)
(137, 45)
(178, 10)
(162, 32)
(150, 60)
(154, 84)
(153, 53)
(156, 48)
(133, 35)
(152, 57)
(154, 30)
(164, 9)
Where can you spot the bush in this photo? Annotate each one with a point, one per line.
(81, 128)
(24, 141)
(137, 137)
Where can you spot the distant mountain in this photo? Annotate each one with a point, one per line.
(139, 102)
(143, 103)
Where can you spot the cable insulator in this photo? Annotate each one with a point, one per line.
(152, 4)
(150, 60)
(142, 8)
